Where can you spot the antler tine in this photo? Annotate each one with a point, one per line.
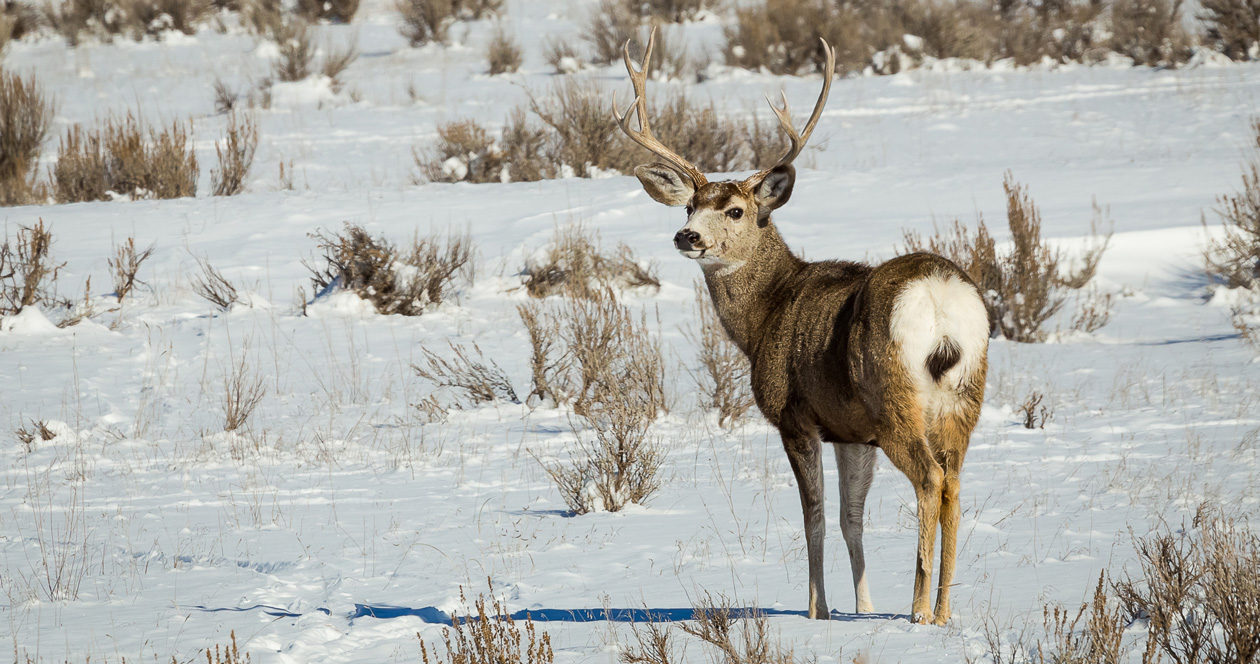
(797, 140)
(644, 136)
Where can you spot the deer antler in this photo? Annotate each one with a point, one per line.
(784, 114)
(644, 135)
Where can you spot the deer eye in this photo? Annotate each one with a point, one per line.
(735, 213)
(690, 210)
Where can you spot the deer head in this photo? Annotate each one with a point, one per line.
(725, 220)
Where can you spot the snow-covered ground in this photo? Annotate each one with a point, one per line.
(341, 522)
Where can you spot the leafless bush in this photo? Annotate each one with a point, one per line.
(560, 54)
(503, 54)
(335, 11)
(425, 20)
(1035, 414)
(236, 155)
(80, 173)
(465, 152)
(39, 431)
(723, 376)
(619, 466)
(28, 273)
(1023, 289)
(165, 166)
(72, 19)
(229, 654)
(213, 287)
(25, 114)
(394, 281)
(297, 49)
(488, 637)
(1235, 258)
(153, 17)
(731, 635)
(477, 379)
(224, 97)
(1149, 31)
(1198, 591)
(18, 18)
(782, 36)
(243, 391)
(675, 11)
(1094, 635)
(576, 265)
(337, 61)
(546, 364)
(1093, 310)
(608, 28)
(125, 265)
(1232, 26)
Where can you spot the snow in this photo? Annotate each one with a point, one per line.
(339, 521)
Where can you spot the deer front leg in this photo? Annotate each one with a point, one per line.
(805, 456)
(857, 469)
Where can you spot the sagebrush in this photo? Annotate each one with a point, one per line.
(488, 636)
(25, 116)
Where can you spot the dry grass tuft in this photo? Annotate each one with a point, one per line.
(213, 287)
(28, 273)
(126, 264)
(153, 17)
(1035, 415)
(488, 637)
(230, 654)
(394, 281)
(503, 53)
(163, 167)
(72, 19)
(333, 11)
(243, 391)
(236, 155)
(730, 635)
(424, 21)
(1151, 32)
(477, 379)
(80, 173)
(576, 266)
(560, 54)
(25, 115)
(1232, 26)
(608, 28)
(39, 431)
(18, 18)
(1234, 259)
(723, 377)
(1024, 288)
(293, 36)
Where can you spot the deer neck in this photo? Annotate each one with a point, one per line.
(743, 292)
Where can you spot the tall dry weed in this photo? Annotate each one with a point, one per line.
(28, 273)
(723, 377)
(576, 265)
(488, 635)
(25, 115)
(235, 154)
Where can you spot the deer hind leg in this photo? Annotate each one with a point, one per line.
(907, 447)
(857, 469)
(950, 436)
(805, 456)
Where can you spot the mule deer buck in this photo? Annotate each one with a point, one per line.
(890, 356)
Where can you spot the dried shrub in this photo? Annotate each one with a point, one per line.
(1232, 26)
(213, 287)
(243, 391)
(503, 53)
(163, 167)
(337, 61)
(80, 172)
(73, 19)
(229, 654)
(730, 635)
(39, 431)
(782, 36)
(608, 28)
(334, 11)
(395, 282)
(1198, 591)
(1094, 635)
(476, 379)
(488, 637)
(236, 155)
(1035, 415)
(424, 21)
(224, 97)
(674, 11)
(575, 265)
(545, 362)
(1234, 259)
(125, 264)
(465, 152)
(1149, 31)
(28, 273)
(18, 18)
(722, 378)
(25, 114)
(560, 54)
(293, 37)
(429, 20)
(1024, 288)
(153, 17)
(1093, 310)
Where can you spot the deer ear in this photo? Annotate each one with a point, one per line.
(666, 185)
(774, 189)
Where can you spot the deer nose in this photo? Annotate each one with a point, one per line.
(686, 239)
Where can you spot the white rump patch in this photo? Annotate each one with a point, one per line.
(927, 311)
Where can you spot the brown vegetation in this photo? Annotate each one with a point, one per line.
(406, 282)
(488, 637)
(1232, 26)
(576, 266)
(731, 635)
(236, 155)
(213, 287)
(424, 21)
(1024, 288)
(477, 379)
(723, 376)
(125, 264)
(117, 158)
(28, 273)
(334, 11)
(25, 115)
(503, 53)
